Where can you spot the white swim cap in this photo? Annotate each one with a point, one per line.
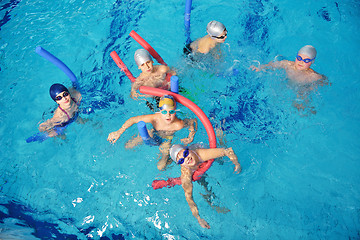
(215, 28)
(174, 151)
(309, 51)
(141, 56)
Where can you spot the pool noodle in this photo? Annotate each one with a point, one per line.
(174, 83)
(205, 121)
(122, 66)
(41, 136)
(187, 20)
(57, 62)
(155, 141)
(147, 46)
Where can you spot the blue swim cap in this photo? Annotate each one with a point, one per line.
(56, 89)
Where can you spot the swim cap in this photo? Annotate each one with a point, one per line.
(309, 51)
(141, 56)
(56, 89)
(174, 151)
(215, 28)
(167, 101)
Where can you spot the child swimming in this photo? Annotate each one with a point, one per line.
(67, 111)
(217, 34)
(151, 75)
(165, 124)
(298, 71)
(190, 161)
(300, 75)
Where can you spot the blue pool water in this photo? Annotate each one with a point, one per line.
(300, 177)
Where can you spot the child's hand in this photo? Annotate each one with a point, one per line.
(237, 168)
(256, 69)
(113, 137)
(135, 95)
(186, 141)
(203, 223)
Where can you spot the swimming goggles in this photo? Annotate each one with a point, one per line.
(306, 60)
(58, 98)
(185, 154)
(221, 37)
(166, 111)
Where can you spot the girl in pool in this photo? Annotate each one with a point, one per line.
(67, 110)
(190, 161)
(151, 75)
(217, 34)
(165, 124)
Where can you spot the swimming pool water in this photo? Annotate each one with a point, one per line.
(300, 177)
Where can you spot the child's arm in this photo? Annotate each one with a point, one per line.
(114, 136)
(75, 94)
(277, 64)
(167, 69)
(186, 182)
(211, 153)
(322, 80)
(45, 126)
(135, 86)
(192, 125)
(229, 152)
(48, 126)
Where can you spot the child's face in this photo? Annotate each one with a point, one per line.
(301, 65)
(64, 98)
(168, 114)
(189, 161)
(147, 67)
(222, 37)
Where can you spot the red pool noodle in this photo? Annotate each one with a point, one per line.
(122, 66)
(147, 46)
(205, 121)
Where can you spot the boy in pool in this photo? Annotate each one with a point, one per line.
(217, 34)
(151, 75)
(165, 124)
(190, 161)
(67, 111)
(298, 71)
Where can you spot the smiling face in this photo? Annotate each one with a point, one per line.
(63, 98)
(301, 65)
(190, 160)
(147, 67)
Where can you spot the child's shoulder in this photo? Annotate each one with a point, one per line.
(75, 94)
(161, 68)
